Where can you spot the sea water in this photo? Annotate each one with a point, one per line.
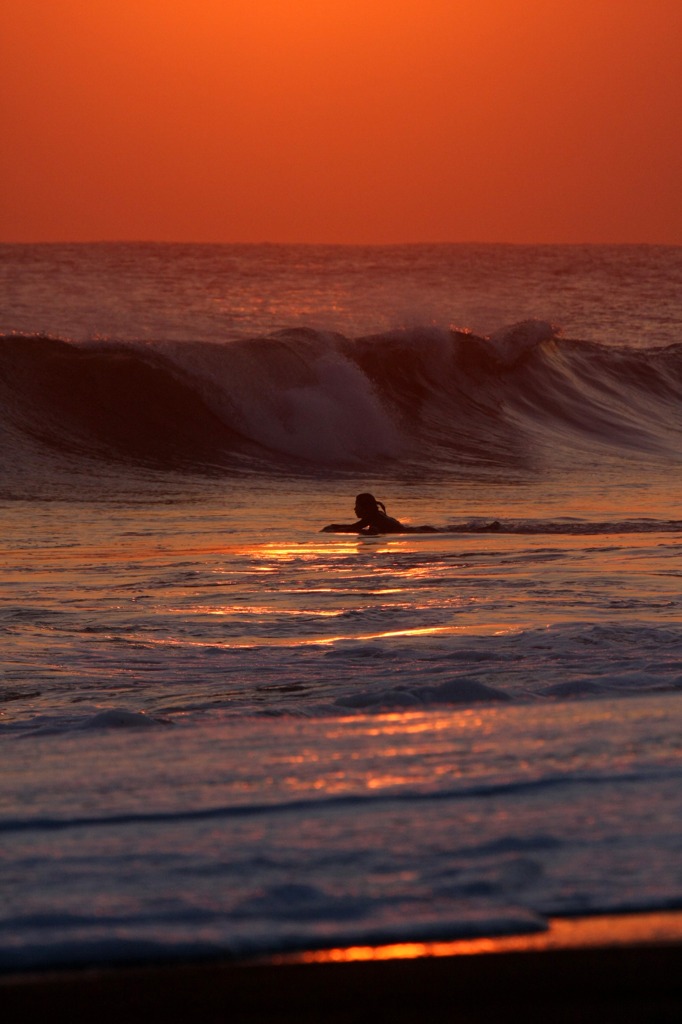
(224, 732)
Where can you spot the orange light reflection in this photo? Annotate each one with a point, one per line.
(561, 933)
(274, 641)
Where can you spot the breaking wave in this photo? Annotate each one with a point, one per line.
(314, 401)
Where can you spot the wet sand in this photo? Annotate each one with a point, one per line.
(624, 968)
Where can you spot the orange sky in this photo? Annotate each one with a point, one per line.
(341, 120)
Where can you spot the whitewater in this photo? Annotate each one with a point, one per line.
(226, 733)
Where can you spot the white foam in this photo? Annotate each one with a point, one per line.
(300, 396)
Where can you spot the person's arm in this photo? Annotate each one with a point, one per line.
(344, 527)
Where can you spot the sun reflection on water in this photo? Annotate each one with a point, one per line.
(561, 933)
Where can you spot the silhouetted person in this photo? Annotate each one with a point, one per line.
(373, 519)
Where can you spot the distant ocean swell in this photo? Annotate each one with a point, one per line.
(314, 401)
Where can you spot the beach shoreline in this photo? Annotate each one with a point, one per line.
(623, 968)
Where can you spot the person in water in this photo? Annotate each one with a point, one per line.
(373, 519)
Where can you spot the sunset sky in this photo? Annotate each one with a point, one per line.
(341, 120)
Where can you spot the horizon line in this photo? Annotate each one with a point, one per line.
(337, 245)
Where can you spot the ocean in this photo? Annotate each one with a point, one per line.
(225, 733)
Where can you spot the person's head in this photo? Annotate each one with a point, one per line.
(367, 505)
